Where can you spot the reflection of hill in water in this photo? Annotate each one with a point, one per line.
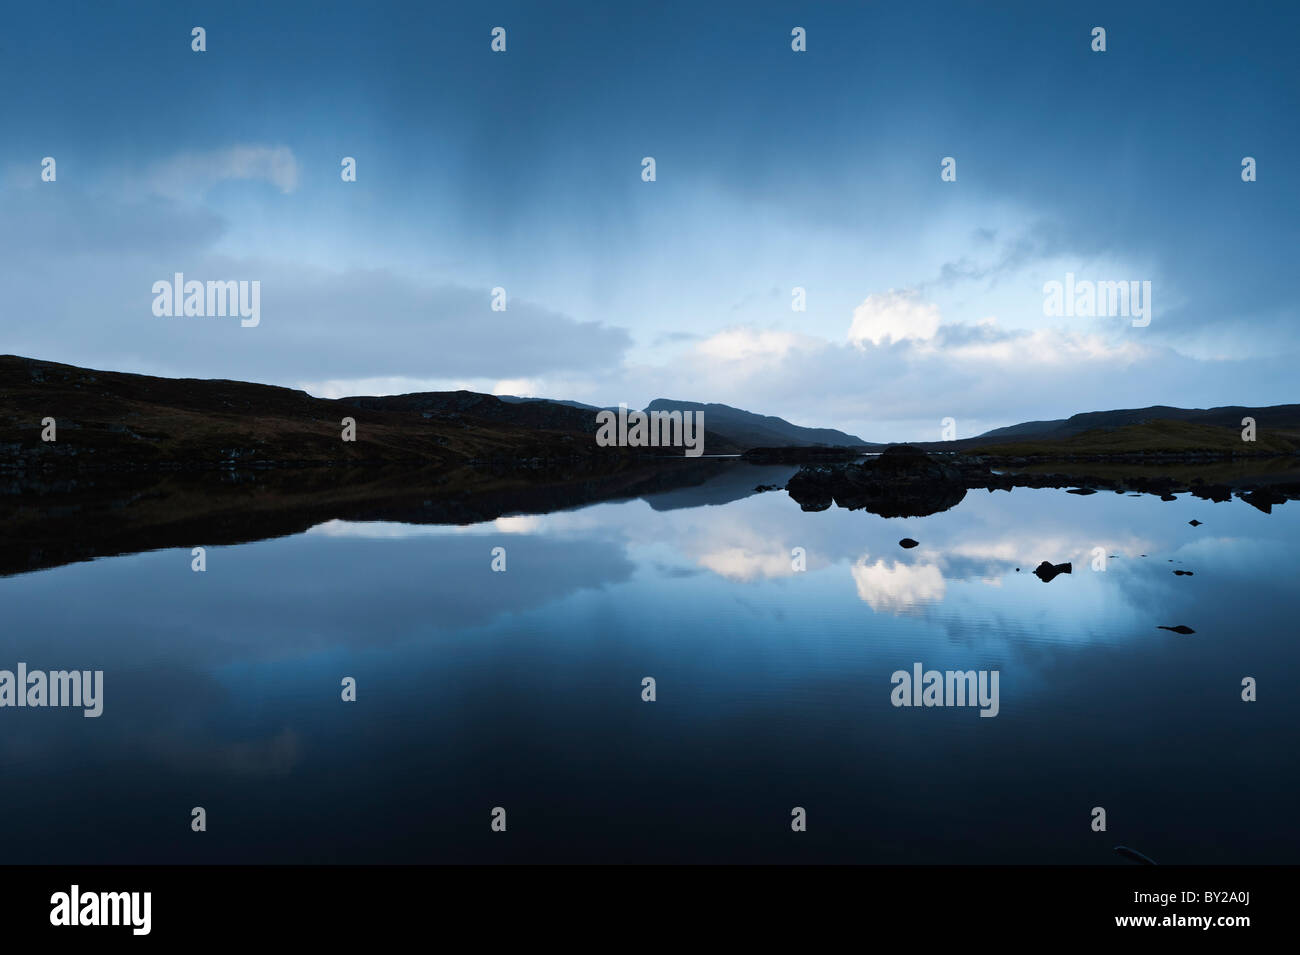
(729, 484)
(53, 522)
(50, 522)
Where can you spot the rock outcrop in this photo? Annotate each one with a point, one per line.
(902, 481)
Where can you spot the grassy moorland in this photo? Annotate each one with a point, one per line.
(123, 422)
(1163, 438)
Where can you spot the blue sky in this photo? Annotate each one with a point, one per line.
(775, 169)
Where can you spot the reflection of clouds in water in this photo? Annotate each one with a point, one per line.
(984, 539)
(750, 541)
(742, 564)
(391, 530)
(900, 586)
(896, 587)
(286, 598)
(520, 524)
(1028, 550)
(734, 548)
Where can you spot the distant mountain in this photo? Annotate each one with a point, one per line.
(750, 430)
(739, 428)
(539, 413)
(1153, 438)
(1028, 429)
(1276, 418)
(516, 400)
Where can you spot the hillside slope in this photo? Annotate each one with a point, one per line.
(1277, 419)
(1162, 437)
(750, 430)
(118, 421)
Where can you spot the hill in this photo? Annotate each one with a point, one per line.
(117, 421)
(1283, 419)
(743, 430)
(750, 430)
(1149, 438)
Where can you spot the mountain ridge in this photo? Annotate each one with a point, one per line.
(144, 420)
(1283, 417)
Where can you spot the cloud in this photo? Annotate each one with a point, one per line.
(749, 345)
(1028, 245)
(353, 331)
(988, 344)
(189, 175)
(902, 368)
(893, 317)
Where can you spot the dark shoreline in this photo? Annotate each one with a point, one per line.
(906, 482)
(47, 519)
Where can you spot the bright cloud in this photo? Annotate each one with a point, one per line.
(743, 344)
(893, 317)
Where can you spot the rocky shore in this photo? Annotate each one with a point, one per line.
(907, 482)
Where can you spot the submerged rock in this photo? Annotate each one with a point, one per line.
(1047, 571)
(1178, 629)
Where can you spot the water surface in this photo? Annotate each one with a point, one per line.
(522, 689)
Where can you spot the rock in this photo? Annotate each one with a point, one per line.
(1183, 573)
(1194, 523)
(1047, 571)
(1167, 497)
(1178, 629)
(1081, 490)
(811, 488)
(908, 543)
(902, 482)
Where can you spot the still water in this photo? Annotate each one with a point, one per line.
(523, 689)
